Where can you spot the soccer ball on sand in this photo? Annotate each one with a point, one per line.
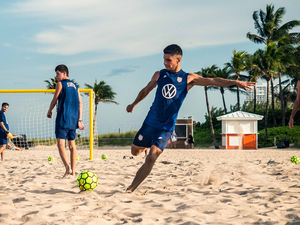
(77, 158)
(295, 159)
(87, 181)
(50, 158)
(104, 156)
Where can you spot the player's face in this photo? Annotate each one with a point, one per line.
(171, 62)
(4, 108)
(60, 76)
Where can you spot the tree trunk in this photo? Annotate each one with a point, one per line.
(267, 109)
(222, 92)
(282, 102)
(254, 100)
(273, 99)
(210, 120)
(238, 98)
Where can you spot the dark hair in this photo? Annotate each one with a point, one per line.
(173, 50)
(4, 104)
(62, 68)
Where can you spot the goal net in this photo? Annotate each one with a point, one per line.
(27, 119)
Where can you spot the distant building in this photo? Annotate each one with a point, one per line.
(261, 92)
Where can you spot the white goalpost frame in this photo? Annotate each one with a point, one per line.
(91, 103)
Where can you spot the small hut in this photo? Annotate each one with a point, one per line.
(183, 127)
(239, 130)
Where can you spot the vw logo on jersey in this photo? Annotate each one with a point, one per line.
(169, 91)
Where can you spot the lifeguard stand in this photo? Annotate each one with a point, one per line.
(239, 130)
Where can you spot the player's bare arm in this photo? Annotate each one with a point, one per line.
(195, 79)
(144, 92)
(3, 127)
(296, 107)
(54, 100)
(80, 123)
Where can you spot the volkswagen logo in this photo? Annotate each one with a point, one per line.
(169, 91)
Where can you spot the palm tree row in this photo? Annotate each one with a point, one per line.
(281, 56)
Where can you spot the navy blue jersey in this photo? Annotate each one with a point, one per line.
(68, 106)
(170, 93)
(3, 119)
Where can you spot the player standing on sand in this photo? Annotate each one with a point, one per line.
(68, 117)
(3, 129)
(172, 86)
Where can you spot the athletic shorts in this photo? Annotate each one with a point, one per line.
(64, 133)
(148, 136)
(3, 141)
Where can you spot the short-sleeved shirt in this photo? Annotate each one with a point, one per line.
(3, 119)
(170, 93)
(68, 106)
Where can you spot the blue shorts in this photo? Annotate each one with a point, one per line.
(148, 136)
(64, 133)
(3, 141)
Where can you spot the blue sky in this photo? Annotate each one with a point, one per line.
(121, 43)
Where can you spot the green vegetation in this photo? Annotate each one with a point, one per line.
(116, 139)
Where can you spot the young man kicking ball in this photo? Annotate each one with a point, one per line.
(172, 86)
(68, 117)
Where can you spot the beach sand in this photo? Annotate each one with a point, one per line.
(199, 186)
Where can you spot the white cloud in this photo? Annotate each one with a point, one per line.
(132, 28)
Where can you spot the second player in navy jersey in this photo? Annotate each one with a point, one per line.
(68, 117)
(172, 85)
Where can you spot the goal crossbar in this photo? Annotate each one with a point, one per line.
(91, 101)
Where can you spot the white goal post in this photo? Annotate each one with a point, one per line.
(89, 106)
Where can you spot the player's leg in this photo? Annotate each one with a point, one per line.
(61, 136)
(136, 150)
(159, 142)
(142, 140)
(73, 150)
(146, 168)
(63, 155)
(73, 154)
(2, 148)
(3, 143)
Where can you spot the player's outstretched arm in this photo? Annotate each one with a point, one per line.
(296, 107)
(195, 79)
(144, 92)
(54, 100)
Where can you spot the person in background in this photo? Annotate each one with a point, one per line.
(3, 129)
(191, 141)
(173, 139)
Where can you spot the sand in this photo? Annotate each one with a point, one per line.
(200, 186)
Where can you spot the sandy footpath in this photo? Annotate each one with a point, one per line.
(201, 186)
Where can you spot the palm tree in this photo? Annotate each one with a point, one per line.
(253, 76)
(287, 95)
(235, 67)
(103, 93)
(223, 73)
(269, 28)
(209, 72)
(266, 63)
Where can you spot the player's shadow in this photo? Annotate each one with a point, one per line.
(52, 191)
